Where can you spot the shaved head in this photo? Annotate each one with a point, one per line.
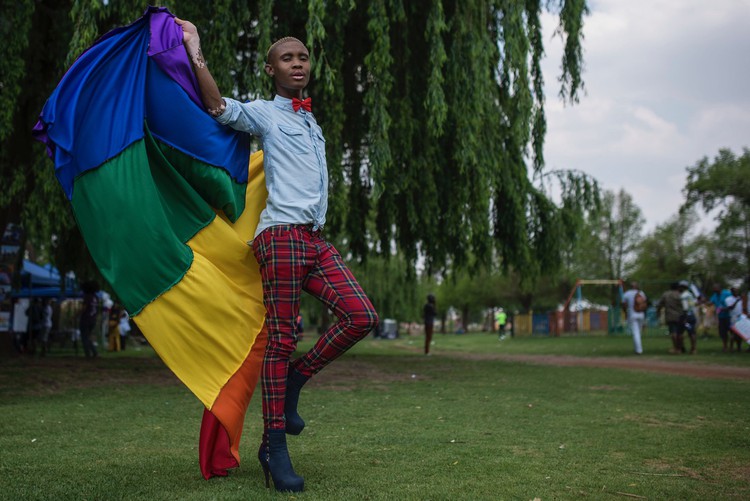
(278, 42)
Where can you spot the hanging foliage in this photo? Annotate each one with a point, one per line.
(433, 113)
(35, 37)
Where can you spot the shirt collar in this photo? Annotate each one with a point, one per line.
(283, 103)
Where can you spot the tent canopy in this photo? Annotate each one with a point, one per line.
(43, 281)
(35, 275)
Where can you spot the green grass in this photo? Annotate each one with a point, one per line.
(656, 345)
(385, 422)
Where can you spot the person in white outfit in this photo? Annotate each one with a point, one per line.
(733, 304)
(635, 318)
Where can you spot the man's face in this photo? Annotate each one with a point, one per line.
(289, 65)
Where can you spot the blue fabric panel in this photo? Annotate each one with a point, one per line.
(175, 119)
(97, 110)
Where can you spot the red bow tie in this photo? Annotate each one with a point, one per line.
(305, 104)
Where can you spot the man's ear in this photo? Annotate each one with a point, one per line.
(269, 70)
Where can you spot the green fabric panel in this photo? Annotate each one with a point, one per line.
(136, 212)
(213, 184)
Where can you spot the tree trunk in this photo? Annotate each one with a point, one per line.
(526, 300)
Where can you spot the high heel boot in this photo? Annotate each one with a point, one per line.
(294, 383)
(274, 459)
(263, 458)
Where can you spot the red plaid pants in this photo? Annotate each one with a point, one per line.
(294, 258)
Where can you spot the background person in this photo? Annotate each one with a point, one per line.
(674, 316)
(47, 313)
(706, 317)
(689, 304)
(733, 305)
(502, 319)
(429, 312)
(88, 317)
(113, 332)
(718, 299)
(35, 314)
(635, 319)
(123, 327)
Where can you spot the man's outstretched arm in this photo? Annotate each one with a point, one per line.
(210, 94)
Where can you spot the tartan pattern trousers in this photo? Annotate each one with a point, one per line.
(294, 258)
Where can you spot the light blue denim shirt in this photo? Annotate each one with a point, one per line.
(294, 159)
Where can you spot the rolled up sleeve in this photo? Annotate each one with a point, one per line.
(246, 117)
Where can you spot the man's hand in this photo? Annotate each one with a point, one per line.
(192, 42)
(189, 32)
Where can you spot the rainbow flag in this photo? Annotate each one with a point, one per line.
(166, 199)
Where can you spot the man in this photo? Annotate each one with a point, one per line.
(674, 316)
(635, 318)
(292, 253)
(719, 298)
(502, 319)
(88, 317)
(430, 312)
(691, 319)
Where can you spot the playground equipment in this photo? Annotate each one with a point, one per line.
(614, 318)
(578, 316)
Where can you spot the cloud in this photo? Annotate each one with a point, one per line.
(647, 133)
(665, 85)
(722, 125)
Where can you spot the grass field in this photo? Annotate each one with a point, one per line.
(387, 423)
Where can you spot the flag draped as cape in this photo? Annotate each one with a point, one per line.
(166, 199)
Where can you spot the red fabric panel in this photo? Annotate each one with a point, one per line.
(221, 428)
(214, 453)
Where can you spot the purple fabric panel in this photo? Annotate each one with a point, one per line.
(166, 49)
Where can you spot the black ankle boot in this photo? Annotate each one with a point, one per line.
(294, 383)
(274, 459)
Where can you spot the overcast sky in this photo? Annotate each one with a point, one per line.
(667, 82)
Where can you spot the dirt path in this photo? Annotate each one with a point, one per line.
(685, 368)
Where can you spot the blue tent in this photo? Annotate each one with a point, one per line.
(34, 275)
(44, 281)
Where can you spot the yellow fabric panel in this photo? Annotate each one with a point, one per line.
(204, 327)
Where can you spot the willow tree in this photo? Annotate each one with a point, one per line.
(35, 38)
(433, 113)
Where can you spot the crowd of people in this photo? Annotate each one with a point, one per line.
(35, 340)
(94, 320)
(687, 312)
